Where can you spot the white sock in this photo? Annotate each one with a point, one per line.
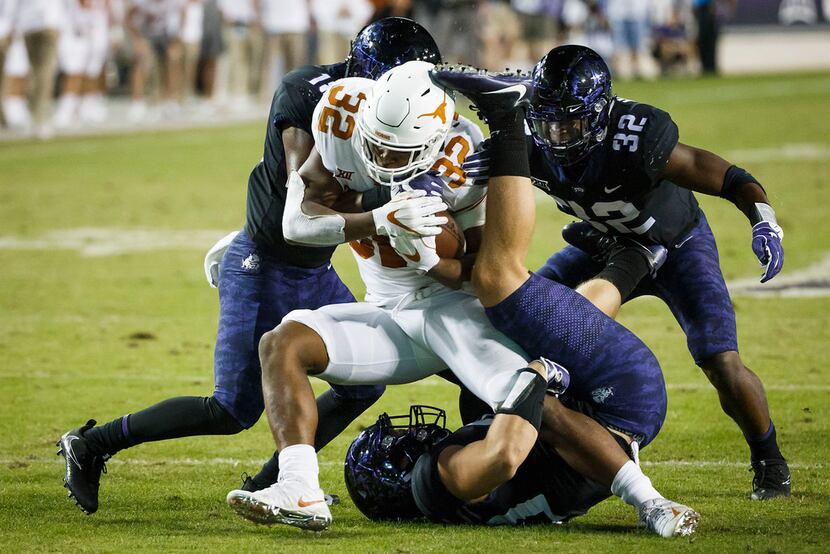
(630, 484)
(300, 461)
(16, 111)
(67, 109)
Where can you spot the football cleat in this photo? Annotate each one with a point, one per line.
(83, 467)
(249, 484)
(495, 95)
(286, 502)
(668, 519)
(772, 479)
(558, 377)
(601, 246)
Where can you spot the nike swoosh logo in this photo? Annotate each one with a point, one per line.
(572, 109)
(687, 239)
(609, 190)
(521, 89)
(674, 512)
(394, 221)
(68, 449)
(416, 257)
(303, 504)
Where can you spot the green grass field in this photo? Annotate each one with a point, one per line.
(71, 346)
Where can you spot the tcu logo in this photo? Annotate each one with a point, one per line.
(343, 174)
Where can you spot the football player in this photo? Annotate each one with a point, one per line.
(414, 324)
(618, 166)
(407, 468)
(261, 278)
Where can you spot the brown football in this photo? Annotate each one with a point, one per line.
(450, 243)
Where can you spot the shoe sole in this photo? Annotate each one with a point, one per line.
(767, 494)
(687, 524)
(69, 491)
(265, 514)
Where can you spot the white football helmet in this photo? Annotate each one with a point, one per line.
(402, 124)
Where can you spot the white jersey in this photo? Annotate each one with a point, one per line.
(386, 274)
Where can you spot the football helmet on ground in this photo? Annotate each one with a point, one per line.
(379, 463)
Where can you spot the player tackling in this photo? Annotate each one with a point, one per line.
(414, 324)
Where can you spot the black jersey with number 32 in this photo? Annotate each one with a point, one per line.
(618, 186)
(293, 106)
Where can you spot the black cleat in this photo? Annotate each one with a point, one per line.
(772, 479)
(83, 468)
(495, 95)
(601, 246)
(249, 485)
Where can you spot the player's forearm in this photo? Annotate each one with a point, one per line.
(473, 471)
(319, 225)
(705, 172)
(451, 272)
(309, 221)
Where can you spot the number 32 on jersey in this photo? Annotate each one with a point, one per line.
(331, 118)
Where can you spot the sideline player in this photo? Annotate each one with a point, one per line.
(412, 327)
(262, 277)
(617, 165)
(419, 468)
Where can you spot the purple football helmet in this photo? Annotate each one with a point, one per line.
(387, 43)
(379, 462)
(568, 113)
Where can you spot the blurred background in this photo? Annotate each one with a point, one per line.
(86, 66)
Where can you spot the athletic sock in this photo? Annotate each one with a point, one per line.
(625, 270)
(334, 414)
(764, 447)
(508, 146)
(183, 416)
(300, 461)
(633, 486)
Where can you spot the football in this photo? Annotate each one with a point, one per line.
(450, 243)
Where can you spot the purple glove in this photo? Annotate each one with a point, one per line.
(766, 243)
(476, 166)
(428, 182)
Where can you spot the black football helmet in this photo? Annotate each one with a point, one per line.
(379, 463)
(389, 42)
(571, 97)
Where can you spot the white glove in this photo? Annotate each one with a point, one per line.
(410, 213)
(214, 258)
(419, 252)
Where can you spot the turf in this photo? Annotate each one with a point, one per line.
(99, 336)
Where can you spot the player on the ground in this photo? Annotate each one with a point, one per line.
(617, 165)
(262, 277)
(412, 326)
(403, 468)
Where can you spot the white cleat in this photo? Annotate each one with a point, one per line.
(287, 502)
(668, 519)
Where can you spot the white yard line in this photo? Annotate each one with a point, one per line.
(809, 151)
